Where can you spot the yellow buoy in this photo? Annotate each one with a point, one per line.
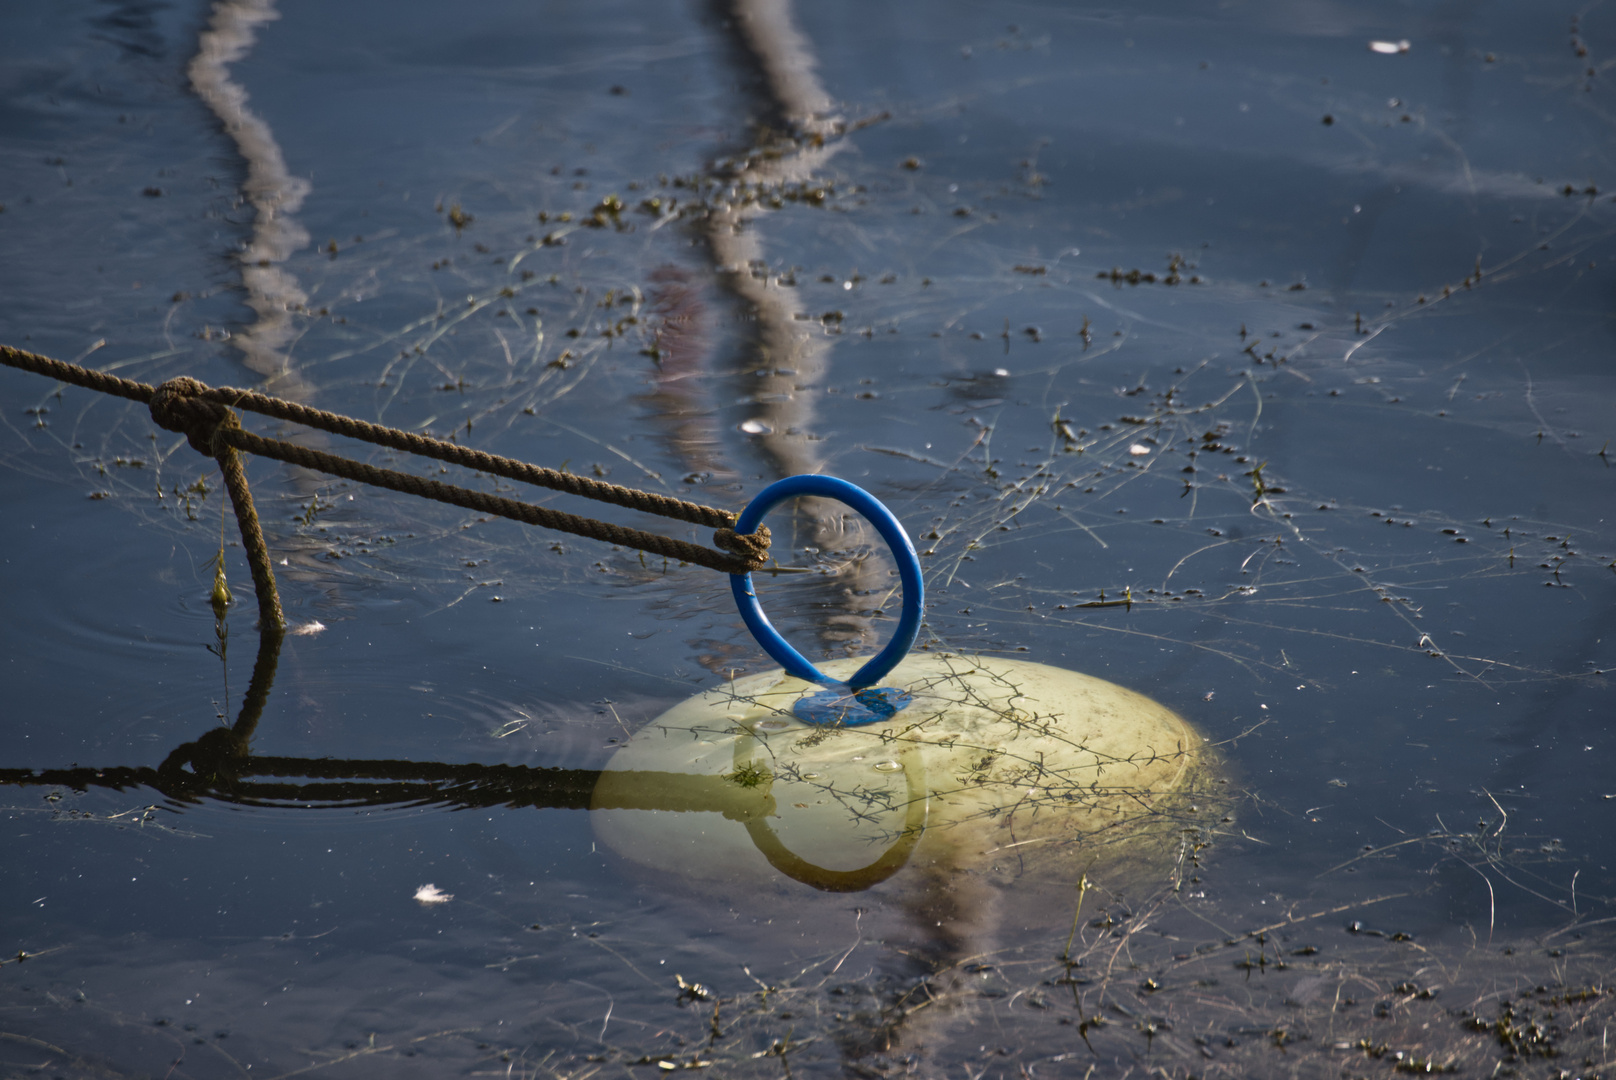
(1018, 772)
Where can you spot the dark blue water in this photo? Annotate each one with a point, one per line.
(1401, 642)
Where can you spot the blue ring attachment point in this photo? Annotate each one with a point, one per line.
(857, 701)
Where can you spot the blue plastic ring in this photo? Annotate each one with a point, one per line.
(914, 591)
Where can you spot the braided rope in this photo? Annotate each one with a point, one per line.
(203, 414)
(62, 371)
(455, 454)
(482, 502)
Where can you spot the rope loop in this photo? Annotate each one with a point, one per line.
(179, 405)
(752, 547)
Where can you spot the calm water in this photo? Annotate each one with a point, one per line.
(1402, 646)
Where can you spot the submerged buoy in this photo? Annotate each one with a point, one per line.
(1017, 771)
(957, 771)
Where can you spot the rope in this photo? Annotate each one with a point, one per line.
(98, 381)
(455, 454)
(482, 502)
(270, 615)
(203, 414)
(204, 425)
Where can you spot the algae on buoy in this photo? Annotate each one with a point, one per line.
(1019, 772)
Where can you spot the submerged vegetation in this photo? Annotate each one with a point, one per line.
(1298, 428)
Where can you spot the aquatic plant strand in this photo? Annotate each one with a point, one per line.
(203, 414)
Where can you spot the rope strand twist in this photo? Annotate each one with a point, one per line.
(205, 416)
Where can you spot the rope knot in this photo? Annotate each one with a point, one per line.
(214, 758)
(753, 548)
(178, 405)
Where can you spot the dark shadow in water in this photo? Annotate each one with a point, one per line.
(951, 906)
(131, 25)
(221, 766)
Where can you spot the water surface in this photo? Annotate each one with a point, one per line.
(1070, 276)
